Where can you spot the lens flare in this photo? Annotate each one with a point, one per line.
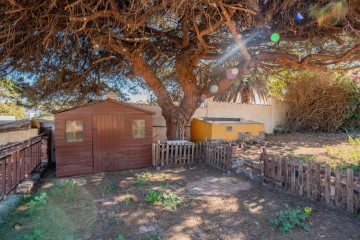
(299, 17)
(214, 88)
(232, 73)
(275, 37)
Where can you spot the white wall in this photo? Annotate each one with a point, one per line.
(270, 114)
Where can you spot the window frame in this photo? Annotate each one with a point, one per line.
(74, 132)
(138, 129)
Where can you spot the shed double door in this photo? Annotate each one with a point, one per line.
(107, 143)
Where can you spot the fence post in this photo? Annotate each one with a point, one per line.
(293, 176)
(301, 178)
(167, 154)
(349, 190)
(338, 187)
(327, 183)
(286, 174)
(308, 179)
(317, 182)
(192, 152)
(15, 170)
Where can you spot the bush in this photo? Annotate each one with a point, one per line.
(153, 196)
(318, 101)
(285, 221)
(315, 103)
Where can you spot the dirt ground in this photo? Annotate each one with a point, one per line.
(322, 147)
(99, 209)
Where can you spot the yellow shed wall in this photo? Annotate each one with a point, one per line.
(219, 130)
(200, 130)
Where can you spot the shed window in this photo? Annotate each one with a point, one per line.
(138, 128)
(74, 131)
(228, 129)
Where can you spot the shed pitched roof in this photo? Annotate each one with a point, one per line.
(109, 100)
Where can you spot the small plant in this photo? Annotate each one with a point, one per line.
(169, 199)
(38, 200)
(153, 196)
(357, 217)
(307, 210)
(36, 234)
(247, 205)
(97, 184)
(120, 237)
(287, 220)
(112, 187)
(155, 235)
(127, 200)
(103, 174)
(141, 179)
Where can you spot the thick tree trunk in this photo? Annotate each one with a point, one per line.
(177, 119)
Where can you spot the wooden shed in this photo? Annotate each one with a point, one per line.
(103, 136)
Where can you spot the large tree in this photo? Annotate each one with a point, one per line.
(183, 50)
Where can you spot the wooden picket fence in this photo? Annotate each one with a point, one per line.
(18, 161)
(175, 154)
(218, 155)
(313, 181)
(213, 153)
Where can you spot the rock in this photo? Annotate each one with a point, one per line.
(102, 211)
(17, 226)
(142, 229)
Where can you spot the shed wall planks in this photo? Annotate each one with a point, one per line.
(108, 142)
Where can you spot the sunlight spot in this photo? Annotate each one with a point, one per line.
(47, 185)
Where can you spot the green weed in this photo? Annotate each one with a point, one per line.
(169, 199)
(120, 237)
(357, 216)
(142, 179)
(153, 196)
(37, 200)
(103, 174)
(155, 235)
(164, 197)
(112, 187)
(127, 200)
(36, 234)
(286, 220)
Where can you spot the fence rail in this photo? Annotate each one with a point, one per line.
(18, 161)
(313, 181)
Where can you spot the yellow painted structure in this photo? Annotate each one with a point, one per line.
(223, 128)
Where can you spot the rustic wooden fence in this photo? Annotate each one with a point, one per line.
(218, 155)
(314, 181)
(18, 161)
(175, 154)
(214, 154)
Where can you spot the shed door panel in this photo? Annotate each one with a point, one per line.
(107, 136)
